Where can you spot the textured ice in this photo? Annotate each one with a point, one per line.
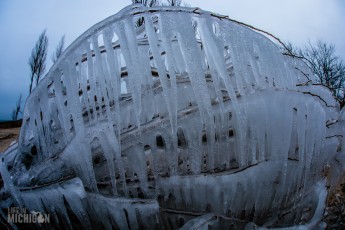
(189, 120)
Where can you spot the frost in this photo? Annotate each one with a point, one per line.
(188, 120)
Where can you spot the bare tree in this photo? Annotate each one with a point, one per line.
(37, 60)
(291, 50)
(17, 109)
(174, 2)
(152, 3)
(328, 69)
(59, 49)
(147, 3)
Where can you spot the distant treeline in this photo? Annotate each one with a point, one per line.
(10, 124)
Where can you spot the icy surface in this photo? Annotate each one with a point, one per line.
(189, 115)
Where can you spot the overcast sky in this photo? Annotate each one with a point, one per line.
(21, 22)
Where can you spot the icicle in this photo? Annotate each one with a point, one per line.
(72, 92)
(8, 184)
(42, 124)
(301, 136)
(196, 75)
(92, 81)
(109, 130)
(217, 63)
(284, 122)
(114, 76)
(84, 85)
(41, 145)
(116, 147)
(74, 193)
(148, 107)
(169, 55)
(180, 65)
(52, 199)
(81, 162)
(234, 52)
(60, 103)
(100, 74)
(254, 63)
(83, 146)
(157, 57)
(129, 48)
(109, 154)
(201, 222)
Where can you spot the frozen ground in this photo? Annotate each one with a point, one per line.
(7, 136)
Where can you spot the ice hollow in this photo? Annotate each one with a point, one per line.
(187, 120)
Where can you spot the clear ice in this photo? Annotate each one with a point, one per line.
(188, 120)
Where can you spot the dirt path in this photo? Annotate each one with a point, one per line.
(7, 136)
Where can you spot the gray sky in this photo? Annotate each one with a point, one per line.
(21, 22)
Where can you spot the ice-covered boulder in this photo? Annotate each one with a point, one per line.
(188, 120)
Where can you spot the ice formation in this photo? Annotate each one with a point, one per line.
(188, 121)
